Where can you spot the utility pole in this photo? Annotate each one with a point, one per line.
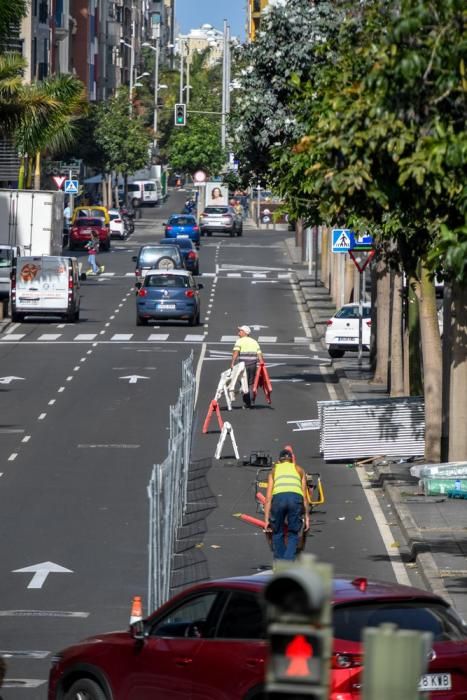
(182, 46)
(157, 38)
(225, 86)
(132, 56)
(187, 74)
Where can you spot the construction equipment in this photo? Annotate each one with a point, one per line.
(262, 381)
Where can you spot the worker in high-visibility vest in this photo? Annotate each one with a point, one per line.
(286, 502)
(247, 350)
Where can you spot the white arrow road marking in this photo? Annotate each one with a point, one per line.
(257, 326)
(8, 380)
(41, 571)
(133, 378)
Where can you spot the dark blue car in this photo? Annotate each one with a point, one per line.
(182, 225)
(168, 294)
(188, 252)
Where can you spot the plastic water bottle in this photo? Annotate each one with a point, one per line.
(457, 485)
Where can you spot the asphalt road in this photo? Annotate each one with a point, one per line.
(78, 441)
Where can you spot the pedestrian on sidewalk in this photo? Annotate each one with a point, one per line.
(93, 247)
(286, 503)
(247, 350)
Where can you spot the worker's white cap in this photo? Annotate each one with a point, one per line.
(245, 329)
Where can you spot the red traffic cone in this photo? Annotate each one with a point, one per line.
(136, 614)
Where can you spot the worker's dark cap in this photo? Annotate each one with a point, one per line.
(285, 454)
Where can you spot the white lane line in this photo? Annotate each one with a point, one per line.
(264, 282)
(260, 275)
(208, 274)
(194, 338)
(117, 311)
(60, 325)
(42, 416)
(112, 318)
(1, 473)
(23, 683)
(129, 274)
(68, 379)
(12, 337)
(42, 613)
(234, 274)
(12, 457)
(158, 336)
(120, 306)
(51, 402)
(62, 388)
(199, 368)
(107, 325)
(85, 336)
(384, 529)
(107, 274)
(267, 338)
(75, 369)
(284, 276)
(122, 336)
(50, 336)
(83, 359)
(101, 332)
(26, 438)
(12, 328)
(228, 338)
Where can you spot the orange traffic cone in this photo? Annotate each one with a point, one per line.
(136, 614)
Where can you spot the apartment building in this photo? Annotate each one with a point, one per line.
(255, 8)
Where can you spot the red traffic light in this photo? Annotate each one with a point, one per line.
(299, 651)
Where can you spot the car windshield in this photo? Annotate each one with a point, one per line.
(91, 212)
(174, 281)
(216, 210)
(349, 621)
(5, 258)
(352, 312)
(83, 223)
(133, 188)
(149, 187)
(150, 255)
(113, 216)
(182, 221)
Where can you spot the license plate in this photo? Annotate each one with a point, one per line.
(87, 231)
(166, 307)
(347, 340)
(435, 681)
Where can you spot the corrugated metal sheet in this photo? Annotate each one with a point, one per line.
(372, 427)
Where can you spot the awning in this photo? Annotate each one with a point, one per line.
(94, 180)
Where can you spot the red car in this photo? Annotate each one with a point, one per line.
(83, 226)
(209, 643)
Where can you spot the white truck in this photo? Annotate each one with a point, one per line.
(32, 220)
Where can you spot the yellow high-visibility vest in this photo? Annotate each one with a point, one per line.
(286, 479)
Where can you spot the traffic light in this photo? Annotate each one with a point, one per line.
(180, 115)
(299, 631)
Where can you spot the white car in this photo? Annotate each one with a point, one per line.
(117, 225)
(342, 330)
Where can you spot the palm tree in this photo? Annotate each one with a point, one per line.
(11, 12)
(50, 129)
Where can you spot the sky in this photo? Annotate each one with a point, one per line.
(191, 14)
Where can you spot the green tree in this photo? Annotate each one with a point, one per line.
(196, 147)
(123, 139)
(11, 11)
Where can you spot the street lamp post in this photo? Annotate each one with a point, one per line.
(132, 67)
(156, 50)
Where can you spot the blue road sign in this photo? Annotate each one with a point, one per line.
(341, 240)
(71, 186)
(361, 241)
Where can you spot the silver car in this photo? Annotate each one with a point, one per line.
(220, 219)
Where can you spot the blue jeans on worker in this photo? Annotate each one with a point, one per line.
(286, 508)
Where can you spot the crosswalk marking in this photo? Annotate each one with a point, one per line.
(122, 336)
(49, 336)
(259, 275)
(158, 336)
(228, 339)
(234, 274)
(129, 274)
(13, 336)
(86, 336)
(107, 274)
(267, 339)
(194, 338)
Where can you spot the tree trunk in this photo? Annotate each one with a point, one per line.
(349, 275)
(432, 365)
(397, 363)
(21, 173)
(37, 171)
(413, 321)
(382, 323)
(299, 229)
(325, 255)
(458, 383)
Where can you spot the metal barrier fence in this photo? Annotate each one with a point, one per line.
(370, 427)
(167, 491)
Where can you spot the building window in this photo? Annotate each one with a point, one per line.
(43, 12)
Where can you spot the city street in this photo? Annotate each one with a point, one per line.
(85, 411)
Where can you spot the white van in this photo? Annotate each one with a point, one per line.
(144, 193)
(46, 285)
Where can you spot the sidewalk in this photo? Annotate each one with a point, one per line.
(435, 527)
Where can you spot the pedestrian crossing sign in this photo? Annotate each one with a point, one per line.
(71, 186)
(341, 240)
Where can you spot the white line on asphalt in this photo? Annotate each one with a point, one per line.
(26, 438)
(101, 332)
(264, 282)
(117, 311)
(49, 336)
(75, 369)
(24, 653)
(85, 336)
(83, 359)
(121, 446)
(23, 683)
(62, 388)
(13, 336)
(42, 416)
(12, 457)
(112, 318)
(267, 338)
(68, 379)
(42, 613)
(12, 328)
(1, 473)
(384, 529)
(51, 402)
(199, 368)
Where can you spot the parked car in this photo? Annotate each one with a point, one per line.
(187, 248)
(83, 227)
(157, 257)
(168, 294)
(182, 225)
(210, 642)
(342, 329)
(222, 219)
(118, 229)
